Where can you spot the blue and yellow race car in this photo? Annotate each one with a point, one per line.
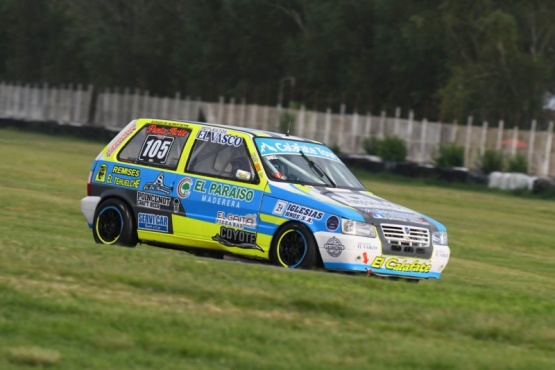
(219, 190)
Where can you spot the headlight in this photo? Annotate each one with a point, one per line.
(439, 237)
(358, 228)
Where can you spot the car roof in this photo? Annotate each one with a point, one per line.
(251, 131)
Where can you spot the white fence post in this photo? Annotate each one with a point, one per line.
(176, 106)
(354, 133)
(341, 132)
(165, 108)
(327, 127)
(242, 113)
(230, 120)
(396, 122)
(253, 115)
(531, 144)
(187, 109)
(499, 134)
(368, 125)
(145, 106)
(515, 138)
(135, 103)
(313, 124)
(467, 141)
(484, 138)
(381, 133)
(265, 117)
(548, 144)
(423, 141)
(410, 140)
(221, 106)
(301, 122)
(278, 117)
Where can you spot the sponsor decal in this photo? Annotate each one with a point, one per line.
(149, 221)
(158, 185)
(334, 247)
(265, 148)
(184, 187)
(153, 201)
(442, 253)
(176, 204)
(300, 213)
(332, 223)
(133, 172)
(277, 146)
(119, 181)
(156, 149)
(120, 139)
(366, 246)
(219, 136)
(364, 258)
(223, 194)
(236, 221)
(221, 201)
(236, 238)
(396, 264)
(101, 174)
(398, 216)
(225, 190)
(163, 131)
(279, 207)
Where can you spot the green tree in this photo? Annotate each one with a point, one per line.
(499, 62)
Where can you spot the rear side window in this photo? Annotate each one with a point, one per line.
(156, 145)
(219, 154)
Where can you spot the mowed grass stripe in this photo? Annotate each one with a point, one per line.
(68, 303)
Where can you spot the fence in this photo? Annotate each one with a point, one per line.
(113, 109)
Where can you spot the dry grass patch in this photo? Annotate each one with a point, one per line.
(33, 356)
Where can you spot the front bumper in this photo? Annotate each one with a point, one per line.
(355, 253)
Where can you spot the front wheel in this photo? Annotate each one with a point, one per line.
(294, 247)
(113, 224)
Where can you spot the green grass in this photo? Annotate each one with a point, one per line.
(67, 303)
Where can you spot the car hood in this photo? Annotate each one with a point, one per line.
(352, 204)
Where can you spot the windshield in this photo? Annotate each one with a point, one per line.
(304, 163)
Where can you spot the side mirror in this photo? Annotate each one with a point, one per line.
(243, 175)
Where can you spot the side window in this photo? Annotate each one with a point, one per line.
(156, 146)
(216, 153)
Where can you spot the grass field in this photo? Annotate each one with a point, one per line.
(67, 303)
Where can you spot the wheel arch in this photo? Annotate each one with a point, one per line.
(273, 243)
(114, 194)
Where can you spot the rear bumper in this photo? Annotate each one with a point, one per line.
(88, 207)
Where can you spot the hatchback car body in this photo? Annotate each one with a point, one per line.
(216, 189)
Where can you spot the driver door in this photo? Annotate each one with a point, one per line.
(220, 192)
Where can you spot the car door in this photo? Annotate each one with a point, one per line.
(221, 193)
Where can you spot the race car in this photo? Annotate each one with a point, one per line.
(218, 190)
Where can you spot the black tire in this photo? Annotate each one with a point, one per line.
(294, 246)
(114, 224)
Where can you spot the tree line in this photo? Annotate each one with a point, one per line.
(445, 59)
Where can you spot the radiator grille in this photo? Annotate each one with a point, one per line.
(406, 236)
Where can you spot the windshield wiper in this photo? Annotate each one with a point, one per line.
(316, 168)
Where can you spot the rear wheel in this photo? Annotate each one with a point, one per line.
(113, 224)
(294, 247)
